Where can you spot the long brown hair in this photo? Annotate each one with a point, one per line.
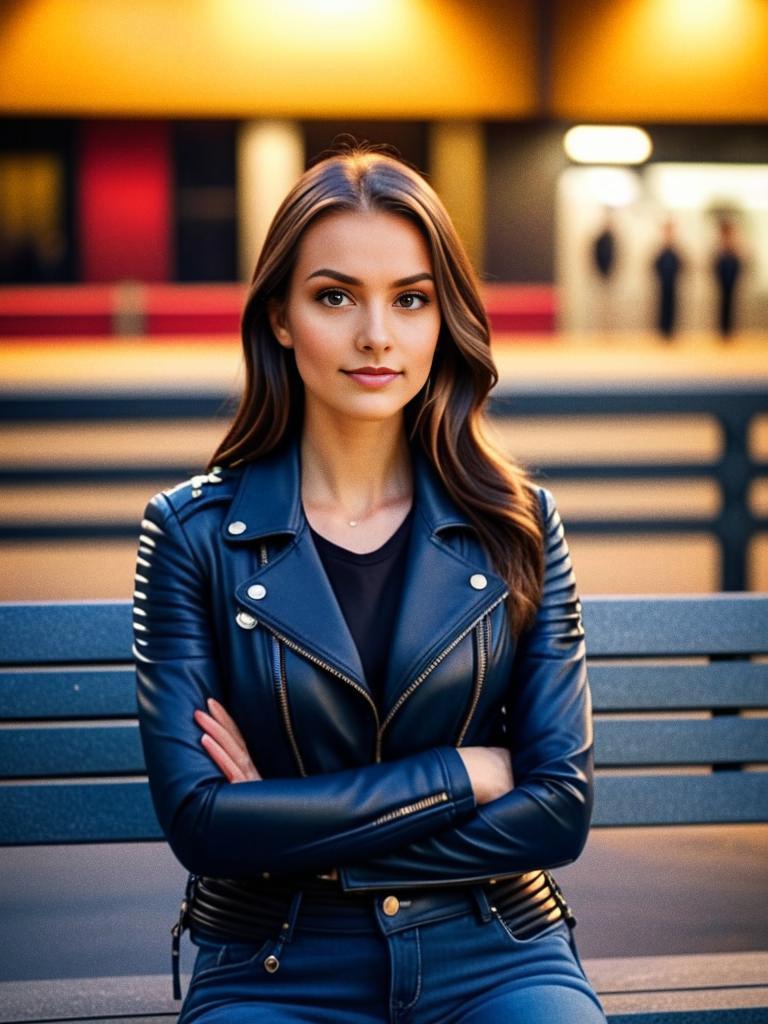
(445, 418)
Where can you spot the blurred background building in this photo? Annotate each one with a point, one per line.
(144, 146)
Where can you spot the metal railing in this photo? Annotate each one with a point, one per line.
(733, 405)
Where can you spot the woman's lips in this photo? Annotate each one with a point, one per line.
(373, 377)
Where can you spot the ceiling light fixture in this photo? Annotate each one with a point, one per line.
(607, 144)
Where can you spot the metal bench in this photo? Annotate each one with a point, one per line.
(676, 684)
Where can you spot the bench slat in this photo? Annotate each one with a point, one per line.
(75, 750)
(671, 741)
(63, 751)
(67, 633)
(722, 624)
(679, 687)
(719, 798)
(68, 693)
(717, 624)
(122, 811)
(110, 693)
(670, 625)
(108, 812)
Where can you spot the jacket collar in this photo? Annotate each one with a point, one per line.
(440, 599)
(268, 499)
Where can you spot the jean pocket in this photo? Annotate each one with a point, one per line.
(520, 934)
(218, 960)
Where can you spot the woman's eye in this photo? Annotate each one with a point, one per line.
(412, 300)
(333, 297)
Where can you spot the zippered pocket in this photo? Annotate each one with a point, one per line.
(412, 808)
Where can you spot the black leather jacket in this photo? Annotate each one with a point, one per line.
(232, 602)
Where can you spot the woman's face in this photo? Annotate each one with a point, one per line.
(361, 315)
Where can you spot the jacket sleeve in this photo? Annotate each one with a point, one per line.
(221, 829)
(543, 822)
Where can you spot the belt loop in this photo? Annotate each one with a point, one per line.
(272, 962)
(483, 906)
(286, 933)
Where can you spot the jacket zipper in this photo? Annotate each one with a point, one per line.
(418, 805)
(278, 665)
(339, 675)
(435, 662)
(281, 683)
(482, 647)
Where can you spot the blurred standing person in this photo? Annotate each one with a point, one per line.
(667, 267)
(603, 258)
(604, 248)
(727, 266)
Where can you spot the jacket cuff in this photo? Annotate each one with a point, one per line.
(457, 782)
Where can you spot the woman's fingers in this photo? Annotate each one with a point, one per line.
(222, 716)
(222, 737)
(229, 743)
(228, 768)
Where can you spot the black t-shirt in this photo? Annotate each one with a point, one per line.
(368, 589)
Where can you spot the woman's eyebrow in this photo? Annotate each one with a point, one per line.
(337, 275)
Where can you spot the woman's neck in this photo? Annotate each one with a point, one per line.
(356, 482)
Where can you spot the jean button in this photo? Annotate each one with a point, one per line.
(271, 964)
(390, 905)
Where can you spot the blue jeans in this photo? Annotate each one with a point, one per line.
(445, 960)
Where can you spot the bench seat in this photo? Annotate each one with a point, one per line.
(726, 988)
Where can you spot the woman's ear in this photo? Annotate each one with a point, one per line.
(276, 314)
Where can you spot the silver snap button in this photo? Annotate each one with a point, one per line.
(245, 620)
(477, 581)
(257, 591)
(237, 527)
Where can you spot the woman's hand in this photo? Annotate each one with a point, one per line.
(489, 770)
(224, 744)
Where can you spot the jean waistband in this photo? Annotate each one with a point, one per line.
(249, 910)
(254, 912)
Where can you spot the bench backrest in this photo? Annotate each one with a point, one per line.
(680, 687)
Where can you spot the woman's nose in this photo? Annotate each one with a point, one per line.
(374, 333)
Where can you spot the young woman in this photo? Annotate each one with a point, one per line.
(362, 686)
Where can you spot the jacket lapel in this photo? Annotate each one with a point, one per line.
(291, 594)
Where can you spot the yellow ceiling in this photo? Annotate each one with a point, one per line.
(703, 60)
(300, 58)
(661, 60)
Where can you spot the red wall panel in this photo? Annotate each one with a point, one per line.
(124, 201)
